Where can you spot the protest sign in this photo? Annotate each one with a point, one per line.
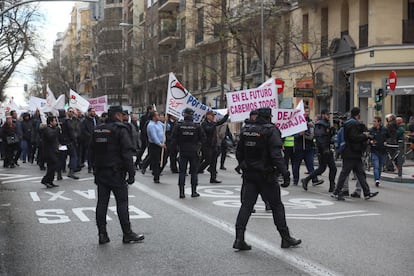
(241, 103)
(291, 121)
(100, 104)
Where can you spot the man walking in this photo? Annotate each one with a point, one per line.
(50, 151)
(112, 151)
(259, 153)
(356, 142)
(323, 136)
(155, 130)
(188, 136)
(210, 148)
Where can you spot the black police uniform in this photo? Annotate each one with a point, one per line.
(259, 153)
(112, 151)
(323, 136)
(188, 136)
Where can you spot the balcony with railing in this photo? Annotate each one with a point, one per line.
(363, 36)
(168, 5)
(408, 31)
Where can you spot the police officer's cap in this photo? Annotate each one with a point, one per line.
(188, 111)
(264, 112)
(115, 109)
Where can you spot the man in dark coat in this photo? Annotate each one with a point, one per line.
(210, 148)
(50, 151)
(356, 142)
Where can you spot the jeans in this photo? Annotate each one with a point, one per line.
(298, 156)
(378, 161)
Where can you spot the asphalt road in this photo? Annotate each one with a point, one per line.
(52, 231)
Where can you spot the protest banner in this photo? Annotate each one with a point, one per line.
(100, 104)
(291, 121)
(178, 98)
(241, 103)
(77, 101)
(36, 103)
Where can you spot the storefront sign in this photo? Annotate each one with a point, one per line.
(324, 91)
(303, 92)
(303, 89)
(364, 89)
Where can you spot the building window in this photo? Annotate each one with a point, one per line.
(199, 36)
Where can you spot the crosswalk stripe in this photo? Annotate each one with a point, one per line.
(21, 179)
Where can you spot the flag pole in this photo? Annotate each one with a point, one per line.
(163, 141)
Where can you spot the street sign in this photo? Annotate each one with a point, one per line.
(392, 80)
(280, 85)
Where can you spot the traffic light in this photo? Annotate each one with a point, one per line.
(379, 95)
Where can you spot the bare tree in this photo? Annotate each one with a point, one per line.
(17, 41)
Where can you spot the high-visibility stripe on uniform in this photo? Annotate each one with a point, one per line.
(289, 141)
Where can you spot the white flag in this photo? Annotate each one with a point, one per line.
(60, 102)
(77, 101)
(50, 100)
(178, 98)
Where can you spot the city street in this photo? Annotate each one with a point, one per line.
(53, 232)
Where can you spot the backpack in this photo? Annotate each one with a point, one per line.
(340, 140)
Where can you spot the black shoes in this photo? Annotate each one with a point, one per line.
(214, 181)
(317, 182)
(48, 185)
(103, 238)
(288, 242)
(132, 237)
(371, 195)
(304, 184)
(287, 239)
(338, 197)
(157, 181)
(345, 193)
(223, 168)
(355, 195)
(241, 245)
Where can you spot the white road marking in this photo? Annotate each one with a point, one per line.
(287, 256)
(22, 179)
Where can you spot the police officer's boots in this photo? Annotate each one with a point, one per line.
(287, 240)
(71, 174)
(129, 236)
(239, 243)
(194, 191)
(182, 194)
(103, 235)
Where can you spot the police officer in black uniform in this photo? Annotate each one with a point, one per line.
(323, 134)
(112, 152)
(188, 136)
(259, 153)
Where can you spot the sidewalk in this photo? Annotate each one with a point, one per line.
(407, 173)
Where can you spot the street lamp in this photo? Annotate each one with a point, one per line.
(144, 60)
